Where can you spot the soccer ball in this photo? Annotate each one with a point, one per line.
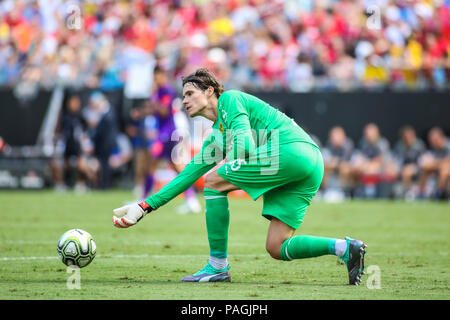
(76, 247)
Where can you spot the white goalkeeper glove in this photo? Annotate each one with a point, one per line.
(129, 215)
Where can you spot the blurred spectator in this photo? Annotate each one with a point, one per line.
(103, 133)
(89, 166)
(300, 75)
(161, 106)
(142, 128)
(408, 151)
(436, 161)
(2, 144)
(122, 155)
(72, 128)
(372, 163)
(337, 154)
(371, 147)
(272, 44)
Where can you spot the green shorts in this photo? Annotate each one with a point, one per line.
(287, 177)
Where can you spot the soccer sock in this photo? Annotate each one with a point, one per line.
(218, 263)
(340, 247)
(217, 222)
(301, 247)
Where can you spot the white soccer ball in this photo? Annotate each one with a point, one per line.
(76, 247)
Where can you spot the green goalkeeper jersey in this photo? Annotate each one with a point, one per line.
(244, 123)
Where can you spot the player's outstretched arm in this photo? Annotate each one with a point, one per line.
(197, 167)
(129, 215)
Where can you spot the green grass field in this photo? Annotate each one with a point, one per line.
(408, 243)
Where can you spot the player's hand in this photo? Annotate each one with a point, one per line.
(129, 215)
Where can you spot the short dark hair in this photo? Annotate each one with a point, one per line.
(203, 79)
(406, 128)
(437, 130)
(158, 69)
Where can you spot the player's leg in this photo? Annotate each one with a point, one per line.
(286, 206)
(217, 216)
(282, 244)
(350, 251)
(214, 181)
(276, 235)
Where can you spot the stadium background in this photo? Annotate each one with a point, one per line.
(324, 63)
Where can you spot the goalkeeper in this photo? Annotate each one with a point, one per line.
(268, 154)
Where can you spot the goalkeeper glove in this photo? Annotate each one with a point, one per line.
(130, 214)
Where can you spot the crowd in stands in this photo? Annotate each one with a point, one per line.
(292, 45)
(372, 168)
(92, 146)
(296, 45)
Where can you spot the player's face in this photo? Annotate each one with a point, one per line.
(194, 100)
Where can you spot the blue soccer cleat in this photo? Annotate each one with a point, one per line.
(209, 274)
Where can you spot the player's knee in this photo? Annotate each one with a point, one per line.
(210, 181)
(274, 250)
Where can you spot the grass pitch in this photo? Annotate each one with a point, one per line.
(408, 251)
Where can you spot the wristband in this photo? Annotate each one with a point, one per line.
(145, 207)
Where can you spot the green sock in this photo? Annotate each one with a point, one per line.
(301, 247)
(217, 222)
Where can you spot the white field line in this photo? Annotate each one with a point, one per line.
(236, 244)
(55, 242)
(165, 256)
(130, 256)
